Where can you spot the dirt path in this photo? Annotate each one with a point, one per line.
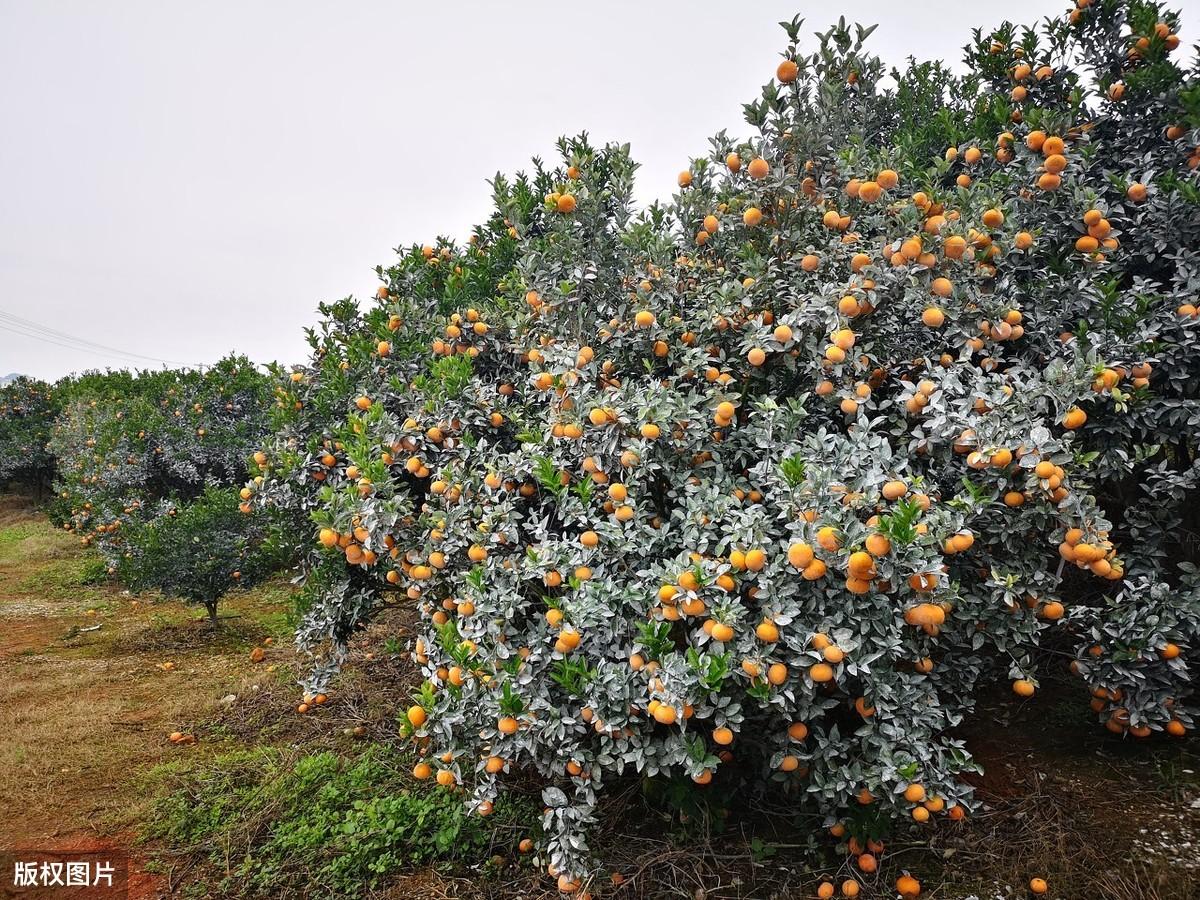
(94, 682)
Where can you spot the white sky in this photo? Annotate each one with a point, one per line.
(180, 180)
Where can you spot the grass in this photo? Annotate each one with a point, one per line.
(25, 539)
(1178, 776)
(332, 825)
(13, 534)
(65, 577)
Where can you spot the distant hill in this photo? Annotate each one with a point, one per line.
(11, 376)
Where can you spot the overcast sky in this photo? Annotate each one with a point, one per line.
(179, 180)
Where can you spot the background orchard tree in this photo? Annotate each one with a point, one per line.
(28, 408)
(134, 447)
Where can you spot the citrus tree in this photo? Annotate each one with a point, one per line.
(210, 547)
(134, 447)
(27, 411)
(760, 486)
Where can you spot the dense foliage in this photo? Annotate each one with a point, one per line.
(894, 399)
(28, 408)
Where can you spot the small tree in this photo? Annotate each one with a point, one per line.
(201, 552)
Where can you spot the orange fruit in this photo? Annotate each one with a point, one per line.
(933, 317)
(1075, 418)
(861, 564)
(827, 537)
(821, 673)
(800, 555)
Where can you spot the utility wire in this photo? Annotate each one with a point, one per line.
(79, 348)
(38, 337)
(28, 328)
(30, 325)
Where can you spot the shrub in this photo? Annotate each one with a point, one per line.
(763, 484)
(313, 440)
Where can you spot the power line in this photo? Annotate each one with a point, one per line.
(28, 328)
(30, 325)
(38, 337)
(128, 360)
